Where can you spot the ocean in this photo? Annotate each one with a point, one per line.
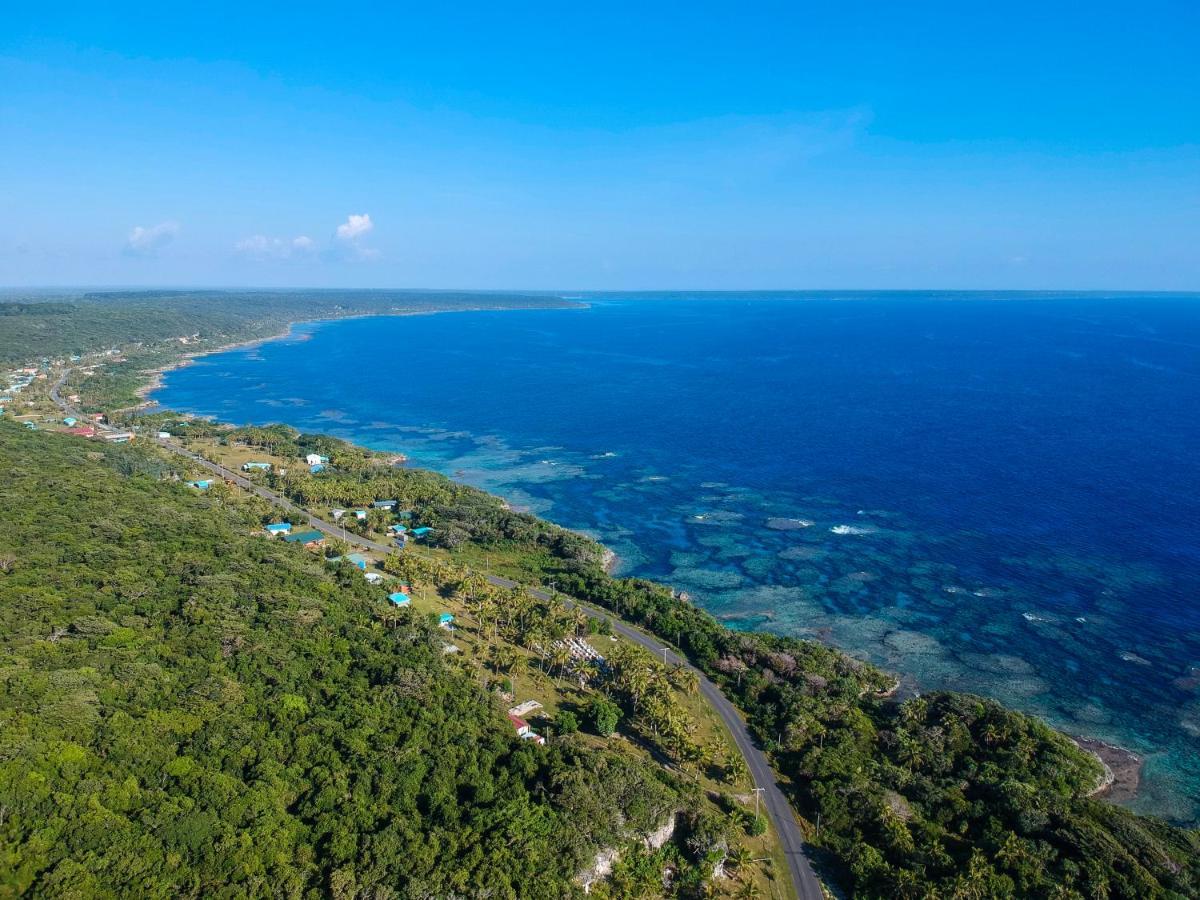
(996, 493)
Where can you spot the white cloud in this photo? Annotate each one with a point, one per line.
(148, 241)
(261, 247)
(354, 227)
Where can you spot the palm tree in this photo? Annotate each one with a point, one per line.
(560, 657)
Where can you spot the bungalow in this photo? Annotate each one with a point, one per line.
(373, 577)
(82, 431)
(279, 528)
(521, 726)
(360, 514)
(337, 513)
(384, 504)
(252, 466)
(309, 539)
(355, 559)
(31, 426)
(316, 459)
(396, 529)
(533, 736)
(446, 620)
(400, 598)
(422, 531)
(70, 421)
(119, 437)
(202, 485)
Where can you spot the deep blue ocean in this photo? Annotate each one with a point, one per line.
(993, 493)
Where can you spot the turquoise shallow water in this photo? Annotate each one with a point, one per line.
(990, 494)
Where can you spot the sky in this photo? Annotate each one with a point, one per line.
(1042, 145)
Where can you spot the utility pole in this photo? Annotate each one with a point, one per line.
(757, 794)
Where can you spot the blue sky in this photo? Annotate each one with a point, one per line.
(574, 146)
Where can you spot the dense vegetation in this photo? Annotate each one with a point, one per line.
(187, 710)
(947, 794)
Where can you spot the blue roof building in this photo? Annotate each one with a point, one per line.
(279, 527)
(314, 469)
(400, 598)
(202, 485)
(70, 421)
(422, 531)
(445, 620)
(384, 504)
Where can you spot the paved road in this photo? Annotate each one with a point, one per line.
(804, 879)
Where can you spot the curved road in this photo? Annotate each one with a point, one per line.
(804, 879)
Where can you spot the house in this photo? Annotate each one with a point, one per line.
(309, 539)
(279, 528)
(202, 485)
(422, 531)
(119, 437)
(337, 514)
(256, 466)
(70, 421)
(31, 426)
(533, 736)
(446, 620)
(82, 431)
(400, 598)
(384, 504)
(163, 435)
(360, 514)
(521, 726)
(355, 559)
(316, 459)
(316, 468)
(373, 577)
(396, 529)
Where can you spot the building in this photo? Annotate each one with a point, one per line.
(82, 431)
(279, 528)
(201, 485)
(70, 421)
(360, 514)
(355, 559)
(163, 435)
(396, 529)
(316, 468)
(118, 437)
(337, 513)
(308, 539)
(373, 577)
(256, 466)
(400, 598)
(446, 620)
(422, 531)
(384, 504)
(521, 726)
(316, 459)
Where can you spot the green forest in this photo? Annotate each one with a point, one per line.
(187, 710)
(944, 795)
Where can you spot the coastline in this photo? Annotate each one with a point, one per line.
(1122, 768)
(156, 374)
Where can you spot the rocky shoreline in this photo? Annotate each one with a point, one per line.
(1122, 770)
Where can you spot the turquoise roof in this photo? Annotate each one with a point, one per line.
(303, 537)
(400, 598)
